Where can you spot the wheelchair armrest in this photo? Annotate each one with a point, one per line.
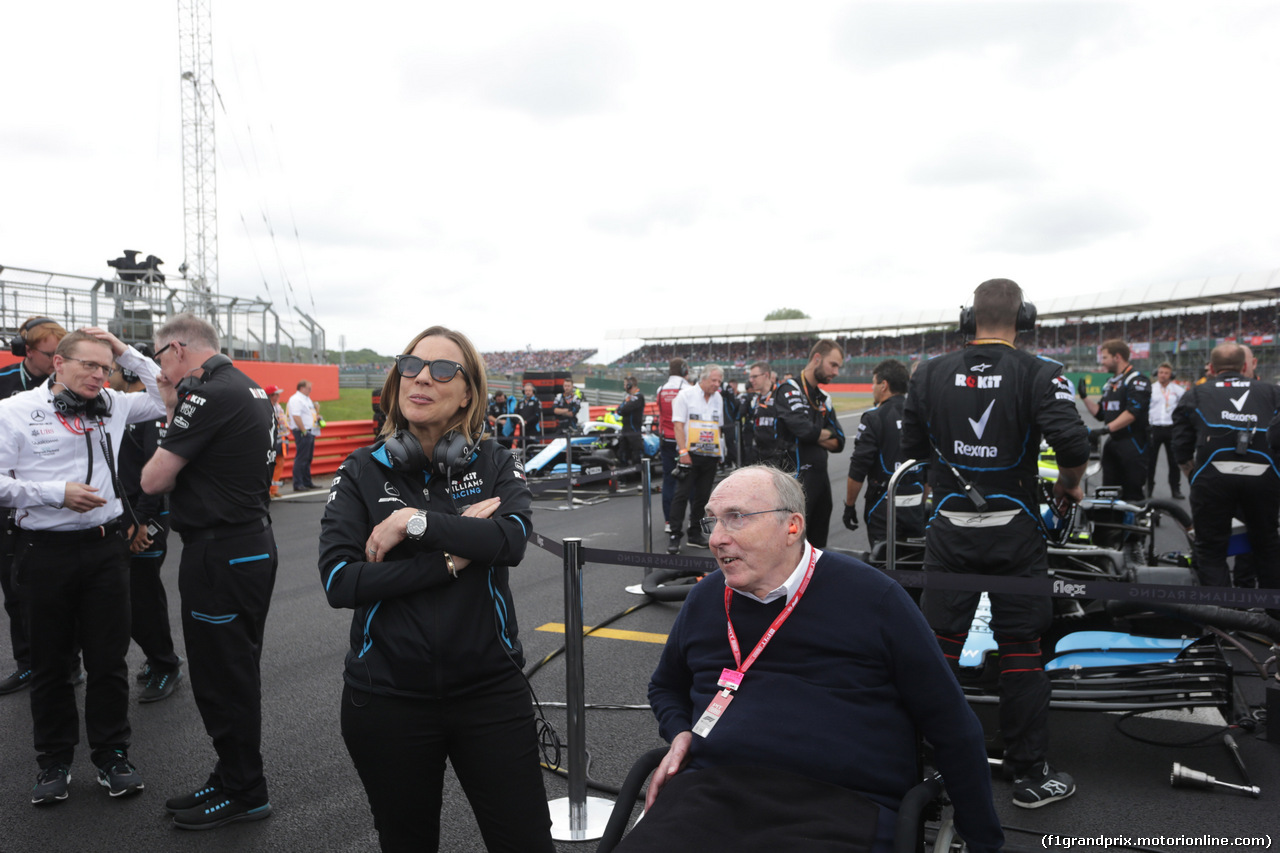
(627, 796)
(907, 837)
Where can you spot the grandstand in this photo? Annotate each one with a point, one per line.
(1178, 323)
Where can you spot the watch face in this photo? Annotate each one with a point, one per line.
(417, 525)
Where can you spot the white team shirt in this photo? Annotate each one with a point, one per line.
(40, 452)
(300, 405)
(691, 403)
(1164, 399)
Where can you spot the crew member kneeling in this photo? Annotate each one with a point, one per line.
(797, 716)
(434, 668)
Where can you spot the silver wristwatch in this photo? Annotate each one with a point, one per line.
(417, 526)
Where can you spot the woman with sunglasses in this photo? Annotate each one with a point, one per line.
(418, 536)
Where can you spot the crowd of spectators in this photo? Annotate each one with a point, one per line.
(518, 361)
(1253, 325)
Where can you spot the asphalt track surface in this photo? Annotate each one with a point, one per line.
(320, 805)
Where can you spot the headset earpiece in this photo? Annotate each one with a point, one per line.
(405, 452)
(18, 346)
(70, 404)
(451, 452)
(190, 383)
(1025, 322)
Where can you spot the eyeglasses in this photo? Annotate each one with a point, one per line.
(161, 351)
(441, 369)
(733, 521)
(92, 366)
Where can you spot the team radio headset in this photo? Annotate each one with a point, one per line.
(1024, 322)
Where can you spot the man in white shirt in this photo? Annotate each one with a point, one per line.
(697, 419)
(1165, 394)
(71, 558)
(304, 420)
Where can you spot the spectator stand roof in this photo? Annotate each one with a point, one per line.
(1188, 293)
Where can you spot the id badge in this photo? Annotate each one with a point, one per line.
(729, 678)
(711, 716)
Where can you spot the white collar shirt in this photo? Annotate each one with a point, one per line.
(40, 451)
(300, 406)
(1164, 399)
(793, 581)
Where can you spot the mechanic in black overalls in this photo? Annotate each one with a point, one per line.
(1125, 409)
(1218, 439)
(631, 413)
(982, 411)
(763, 417)
(38, 337)
(877, 453)
(809, 429)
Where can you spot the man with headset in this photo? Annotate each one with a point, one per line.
(215, 463)
(877, 454)
(1124, 411)
(37, 340)
(979, 414)
(71, 558)
(631, 412)
(810, 431)
(1218, 435)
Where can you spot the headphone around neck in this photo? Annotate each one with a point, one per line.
(70, 404)
(191, 383)
(405, 452)
(1025, 322)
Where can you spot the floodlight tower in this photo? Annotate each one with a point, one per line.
(199, 175)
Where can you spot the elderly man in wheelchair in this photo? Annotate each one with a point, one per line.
(794, 688)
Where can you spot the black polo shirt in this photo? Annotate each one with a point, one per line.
(226, 430)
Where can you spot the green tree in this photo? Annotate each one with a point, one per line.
(786, 314)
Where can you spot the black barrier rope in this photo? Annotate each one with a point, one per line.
(1099, 590)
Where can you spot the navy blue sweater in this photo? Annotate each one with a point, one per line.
(838, 695)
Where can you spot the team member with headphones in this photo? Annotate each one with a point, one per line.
(37, 339)
(215, 462)
(418, 538)
(71, 558)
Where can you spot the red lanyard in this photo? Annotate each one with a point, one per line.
(777, 623)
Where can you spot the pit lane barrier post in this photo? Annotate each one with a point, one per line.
(576, 817)
(646, 520)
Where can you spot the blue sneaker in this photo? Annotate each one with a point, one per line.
(219, 811)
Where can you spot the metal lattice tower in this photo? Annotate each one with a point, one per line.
(199, 173)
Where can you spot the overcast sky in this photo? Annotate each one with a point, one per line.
(537, 173)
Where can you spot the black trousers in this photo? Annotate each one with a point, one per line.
(693, 493)
(1124, 464)
(1017, 621)
(399, 747)
(910, 520)
(226, 585)
(76, 591)
(1217, 497)
(150, 607)
(302, 462)
(630, 448)
(1162, 436)
(12, 603)
(817, 500)
(667, 450)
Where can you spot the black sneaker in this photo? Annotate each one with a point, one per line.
(1177, 495)
(1042, 785)
(15, 681)
(189, 801)
(119, 777)
(160, 686)
(144, 674)
(673, 543)
(51, 785)
(219, 811)
(699, 541)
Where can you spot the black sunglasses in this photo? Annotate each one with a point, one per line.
(441, 369)
(164, 349)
